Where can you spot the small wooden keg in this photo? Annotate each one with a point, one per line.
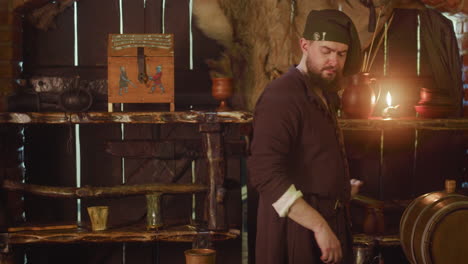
(434, 228)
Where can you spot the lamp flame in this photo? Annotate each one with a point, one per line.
(389, 99)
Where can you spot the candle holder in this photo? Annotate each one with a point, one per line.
(390, 111)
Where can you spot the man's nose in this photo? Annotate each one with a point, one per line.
(333, 60)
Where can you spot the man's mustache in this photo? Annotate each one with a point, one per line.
(331, 68)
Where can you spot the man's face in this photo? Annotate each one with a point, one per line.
(325, 59)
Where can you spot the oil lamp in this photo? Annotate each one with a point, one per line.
(389, 111)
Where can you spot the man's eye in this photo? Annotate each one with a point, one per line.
(341, 54)
(326, 51)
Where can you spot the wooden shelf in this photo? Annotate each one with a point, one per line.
(373, 240)
(99, 192)
(196, 117)
(126, 117)
(416, 123)
(137, 233)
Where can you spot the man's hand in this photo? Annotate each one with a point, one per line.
(328, 244)
(304, 214)
(355, 186)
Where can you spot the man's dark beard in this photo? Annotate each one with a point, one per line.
(324, 84)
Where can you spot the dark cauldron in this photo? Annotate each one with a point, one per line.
(75, 100)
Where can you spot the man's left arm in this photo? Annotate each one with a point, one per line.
(355, 186)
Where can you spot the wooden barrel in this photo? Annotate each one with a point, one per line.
(434, 229)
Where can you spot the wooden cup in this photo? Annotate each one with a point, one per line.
(200, 256)
(98, 216)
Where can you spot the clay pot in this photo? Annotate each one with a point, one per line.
(435, 111)
(433, 97)
(358, 99)
(374, 222)
(200, 256)
(222, 90)
(75, 100)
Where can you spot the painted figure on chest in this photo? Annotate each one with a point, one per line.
(156, 80)
(124, 81)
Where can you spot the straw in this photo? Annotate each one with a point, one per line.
(379, 44)
(363, 66)
(366, 62)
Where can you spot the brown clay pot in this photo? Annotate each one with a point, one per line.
(435, 111)
(433, 97)
(222, 90)
(358, 98)
(374, 222)
(200, 256)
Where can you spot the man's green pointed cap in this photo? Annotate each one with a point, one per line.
(334, 25)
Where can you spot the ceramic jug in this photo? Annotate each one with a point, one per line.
(358, 98)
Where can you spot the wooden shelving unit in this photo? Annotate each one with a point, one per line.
(210, 125)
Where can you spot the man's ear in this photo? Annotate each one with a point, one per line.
(304, 44)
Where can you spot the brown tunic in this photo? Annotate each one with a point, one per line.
(296, 140)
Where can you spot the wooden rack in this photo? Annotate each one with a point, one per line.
(211, 126)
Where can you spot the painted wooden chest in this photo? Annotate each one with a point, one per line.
(141, 68)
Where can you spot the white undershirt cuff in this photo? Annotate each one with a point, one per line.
(283, 204)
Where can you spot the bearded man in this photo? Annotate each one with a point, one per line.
(298, 163)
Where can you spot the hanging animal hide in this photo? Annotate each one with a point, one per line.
(452, 6)
(43, 17)
(261, 37)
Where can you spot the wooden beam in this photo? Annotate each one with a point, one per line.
(193, 117)
(197, 117)
(213, 146)
(417, 123)
(95, 192)
(125, 234)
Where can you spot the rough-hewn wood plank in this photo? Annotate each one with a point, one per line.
(127, 117)
(429, 124)
(95, 192)
(213, 117)
(127, 234)
(214, 148)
